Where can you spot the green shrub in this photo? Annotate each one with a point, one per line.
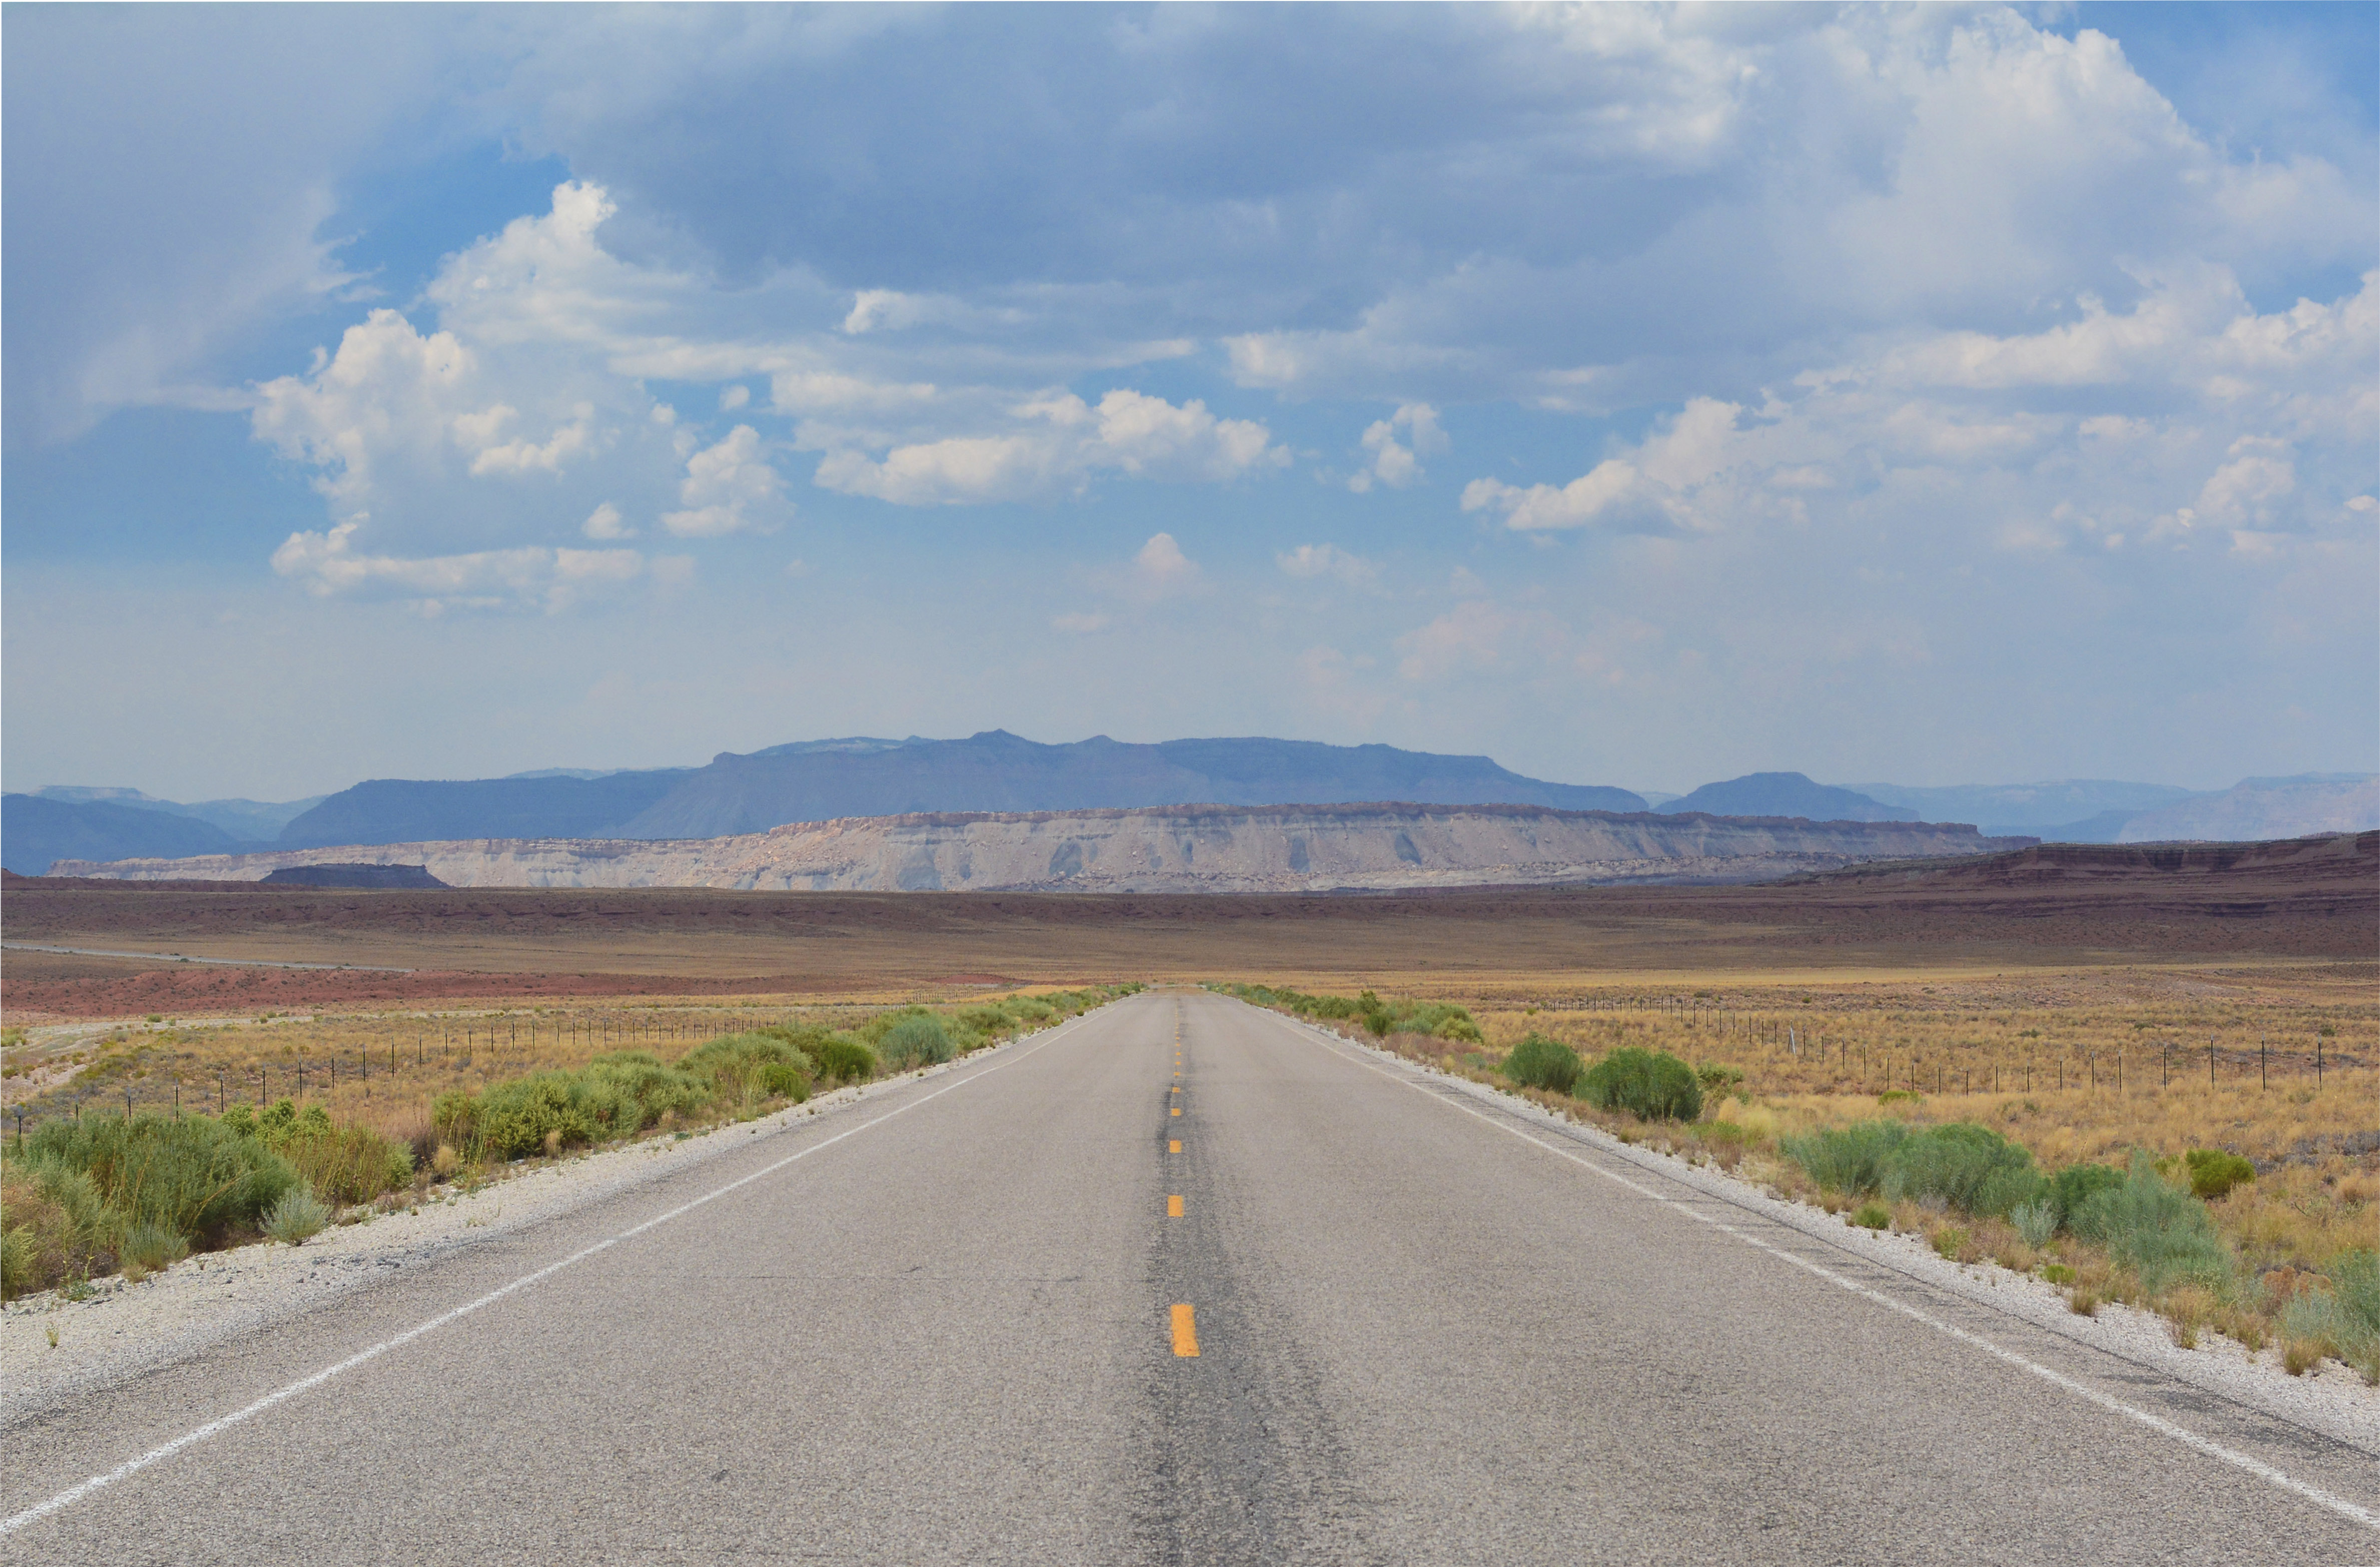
(616, 1095)
(19, 1262)
(985, 1022)
(1849, 1159)
(2346, 1320)
(349, 1164)
(1539, 1063)
(2036, 1220)
(1970, 1168)
(57, 1227)
(455, 1117)
(1718, 1079)
(762, 1064)
(192, 1175)
(1442, 1020)
(917, 1039)
(1873, 1215)
(515, 1118)
(2214, 1172)
(846, 1060)
(1649, 1085)
(627, 1090)
(151, 1247)
(2077, 1185)
(2159, 1230)
(2355, 1278)
(296, 1217)
(346, 1163)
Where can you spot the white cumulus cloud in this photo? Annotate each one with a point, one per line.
(1058, 444)
(605, 522)
(1162, 567)
(2193, 411)
(329, 564)
(1328, 560)
(730, 488)
(1391, 462)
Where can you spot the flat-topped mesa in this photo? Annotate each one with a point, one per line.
(1156, 849)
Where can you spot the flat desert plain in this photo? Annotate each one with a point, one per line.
(2316, 902)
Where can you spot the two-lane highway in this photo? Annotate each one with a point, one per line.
(1177, 1283)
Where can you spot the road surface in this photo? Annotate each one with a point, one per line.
(954, 1323)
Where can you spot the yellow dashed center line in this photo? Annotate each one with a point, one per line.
(1172, 1208)
(1177, 1110)
(1173, 1147)
(1185, 1333)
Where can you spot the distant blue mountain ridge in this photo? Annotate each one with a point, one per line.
(819, 779)
(34, 831)
(815, 780)
(242, 819)
(1784, 793)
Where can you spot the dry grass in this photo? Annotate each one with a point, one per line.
(379, 1069)
(2088, 1068)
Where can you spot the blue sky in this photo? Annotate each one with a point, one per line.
(1635, 395)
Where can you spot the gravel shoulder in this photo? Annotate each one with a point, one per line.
(122, 1331)
(2332, 1402)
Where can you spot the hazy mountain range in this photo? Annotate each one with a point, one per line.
(1146, 849)
(250, 820)
(1785, 793)
(821, 780)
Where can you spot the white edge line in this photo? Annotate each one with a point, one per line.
(132, 1467)
(2158, 1423)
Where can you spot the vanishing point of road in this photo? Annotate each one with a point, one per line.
(1178, 1282)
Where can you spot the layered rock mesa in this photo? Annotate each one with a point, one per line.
(1162, 849)
(819, 779)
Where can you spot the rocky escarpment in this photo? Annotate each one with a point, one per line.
(823, 779)
(1174, 848)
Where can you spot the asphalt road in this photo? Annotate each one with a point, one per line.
(946, 1325)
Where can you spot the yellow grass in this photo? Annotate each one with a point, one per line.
(382, 1069)
(2088, 1067)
